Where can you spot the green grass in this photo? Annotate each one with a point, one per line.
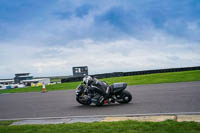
(131, 80)
(107, 127)
(171, 77)
(6, 123)
(63, 86)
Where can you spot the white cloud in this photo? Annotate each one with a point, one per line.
(131, 54)
(47, 45)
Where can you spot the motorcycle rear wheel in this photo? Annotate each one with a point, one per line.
(125, 96)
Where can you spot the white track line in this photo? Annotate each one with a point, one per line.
(118, 115)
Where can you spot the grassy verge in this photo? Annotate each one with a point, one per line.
(5, 123)
(171, 77)
(131, 80)
(63, 86)
(107, 127)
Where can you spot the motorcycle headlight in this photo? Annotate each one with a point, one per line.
(79, 87)
(77, 92)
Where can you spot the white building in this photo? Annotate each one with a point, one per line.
(36, 82)
(7, 82)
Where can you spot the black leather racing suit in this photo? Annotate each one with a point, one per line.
(100, 87)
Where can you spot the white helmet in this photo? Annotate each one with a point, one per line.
(87, 79)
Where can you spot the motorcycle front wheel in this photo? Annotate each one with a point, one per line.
(81, 101)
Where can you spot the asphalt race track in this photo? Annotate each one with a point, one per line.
(156, 98)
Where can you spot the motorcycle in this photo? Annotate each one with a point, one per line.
(99, 92)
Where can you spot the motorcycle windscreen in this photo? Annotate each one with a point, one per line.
(117, 87)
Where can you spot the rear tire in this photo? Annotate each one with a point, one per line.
(125, 96)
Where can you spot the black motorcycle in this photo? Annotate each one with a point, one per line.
(99, 92)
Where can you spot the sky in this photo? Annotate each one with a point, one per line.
(49, 37)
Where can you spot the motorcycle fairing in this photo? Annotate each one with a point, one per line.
(118, 87)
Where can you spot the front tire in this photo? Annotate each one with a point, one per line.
(125, 97)
(82, 102)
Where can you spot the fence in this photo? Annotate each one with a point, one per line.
(119, 74)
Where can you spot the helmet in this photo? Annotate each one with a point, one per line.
(87, 80)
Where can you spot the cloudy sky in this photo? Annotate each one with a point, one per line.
(49, 37)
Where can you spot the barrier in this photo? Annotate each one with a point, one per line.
(119, 74)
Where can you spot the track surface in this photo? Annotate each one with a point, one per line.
(156, 98)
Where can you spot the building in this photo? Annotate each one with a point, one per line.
(7, 82)
(80, 71)
(21, 80)
(36, 82)
(19, 77)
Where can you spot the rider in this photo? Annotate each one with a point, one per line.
(98, 86)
